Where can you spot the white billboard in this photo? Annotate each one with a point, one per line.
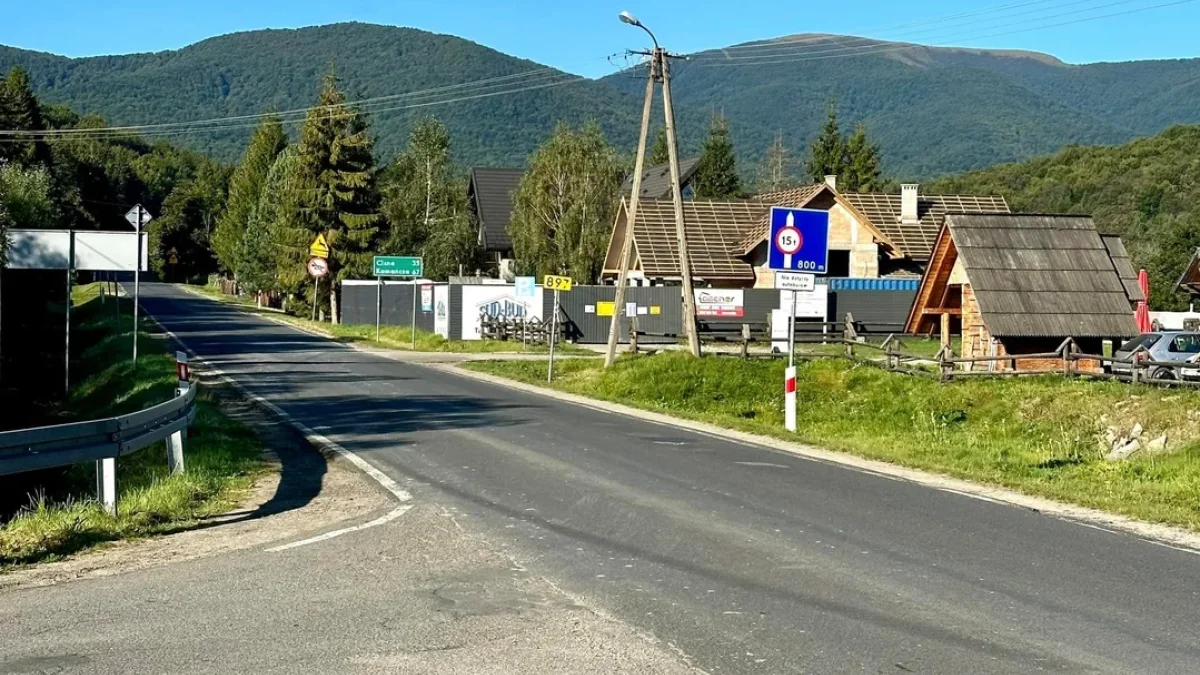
(496, 301)
(94, 251)
(720, 302)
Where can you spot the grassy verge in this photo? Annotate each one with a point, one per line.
(223, 456)
(391, 337)
(1039, 435)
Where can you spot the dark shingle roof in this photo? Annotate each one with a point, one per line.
(714, 230)
(916, 240)
(1189, 281)
(1042, 276)
(1123, 265)
(656, 180)
(493, 192)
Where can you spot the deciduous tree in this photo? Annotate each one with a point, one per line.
(566, 204)
(775, 170)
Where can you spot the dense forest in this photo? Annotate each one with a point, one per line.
(933, 111)
(1148, 191)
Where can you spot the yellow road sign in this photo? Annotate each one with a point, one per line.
(319, 247)
(554, 283)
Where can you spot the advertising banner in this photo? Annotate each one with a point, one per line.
(496, 302)
(723, 303)
(441, 307)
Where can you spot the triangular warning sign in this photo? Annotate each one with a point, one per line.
(319, 248)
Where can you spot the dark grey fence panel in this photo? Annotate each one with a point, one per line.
(358, 305)
(661, 304)
(456, 326)
(875, 311)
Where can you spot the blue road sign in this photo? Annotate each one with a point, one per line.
(799, 240)
(526, 287)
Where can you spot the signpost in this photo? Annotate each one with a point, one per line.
(560, 285)
(799, 243)
(399, 266)
(138, 217)
(318, 266)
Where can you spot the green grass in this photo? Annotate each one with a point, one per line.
(392, 337)
(1039, 435)
(223, 457)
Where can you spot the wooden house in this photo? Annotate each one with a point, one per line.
(1015, 284)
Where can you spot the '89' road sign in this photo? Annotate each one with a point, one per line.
(799, 240)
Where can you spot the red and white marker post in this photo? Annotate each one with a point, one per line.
(789, 241)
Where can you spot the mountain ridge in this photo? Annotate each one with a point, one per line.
(934, 110)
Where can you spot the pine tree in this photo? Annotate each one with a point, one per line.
(659, 154)
(270, 224)
(716, 175)
(425, 203)
(828, 152)
(245, 191)
(335, 174)
(21, 111)
(861, 172)
(775, 170)
(566, 204)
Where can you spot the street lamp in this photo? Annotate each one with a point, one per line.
(632, 20)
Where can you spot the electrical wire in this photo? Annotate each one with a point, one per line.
(475, 87)
(880, 46)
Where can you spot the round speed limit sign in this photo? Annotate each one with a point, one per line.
(318, 267)
(788, 240)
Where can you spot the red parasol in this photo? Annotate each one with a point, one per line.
(1143, 309)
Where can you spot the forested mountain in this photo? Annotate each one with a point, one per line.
(933, 111)
(278, 70)
(1148, 191)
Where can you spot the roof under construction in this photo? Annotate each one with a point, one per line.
(656, 180)
(1032, 275)
(714, 232)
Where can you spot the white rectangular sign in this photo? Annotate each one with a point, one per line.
(441, 310)
(720, 302)
(94, 251)
(496, 301)
(795, 281)
(809, 304)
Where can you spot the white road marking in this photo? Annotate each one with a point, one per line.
(765, 464)
(400, 494)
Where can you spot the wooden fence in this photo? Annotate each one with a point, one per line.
(518, 329)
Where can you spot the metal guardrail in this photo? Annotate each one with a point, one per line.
(101, 441)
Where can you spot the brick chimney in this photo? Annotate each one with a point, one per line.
(831, 181)
(908, 203)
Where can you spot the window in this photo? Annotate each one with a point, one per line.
(1187, 343)
(1147, 341)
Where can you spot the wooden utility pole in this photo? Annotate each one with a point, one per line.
(685, 266)
(614, 331)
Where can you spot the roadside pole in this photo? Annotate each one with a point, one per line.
(414, 314)
(137, 279)
(789, 378)
(553, 337)
(378, 305)
(685, 265)
(316, 280)
(67, 347)
(559, 284)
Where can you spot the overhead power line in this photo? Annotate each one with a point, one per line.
(879, 46)
(488, 87)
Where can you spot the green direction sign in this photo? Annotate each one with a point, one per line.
(398, 266)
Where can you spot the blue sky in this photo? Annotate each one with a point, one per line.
(577, 35)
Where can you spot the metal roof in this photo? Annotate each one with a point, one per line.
(714, 231)
(1042, 275)
(656, 180)
(493, 194)
(916, 239)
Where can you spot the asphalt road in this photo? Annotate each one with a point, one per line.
(738, 559)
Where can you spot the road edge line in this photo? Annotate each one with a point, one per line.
(318, 441)
(1153, 533)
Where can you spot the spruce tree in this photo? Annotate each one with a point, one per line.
(716, 175)
(861, 172)
(245, 190)
(21, 111)
(658, 152)
(828, 152)
(335, 175)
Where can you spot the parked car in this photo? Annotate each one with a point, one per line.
(1179, 350)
